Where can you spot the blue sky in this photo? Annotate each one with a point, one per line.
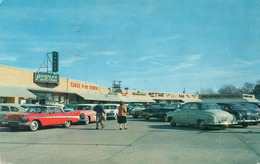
(149, 45)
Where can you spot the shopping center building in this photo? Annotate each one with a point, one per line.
(22, 86)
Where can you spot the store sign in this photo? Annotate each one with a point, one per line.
(40, 77)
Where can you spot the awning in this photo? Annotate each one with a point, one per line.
(49, 90)
(113, 98)
(15, 91)
(92, 96)
(137, 99)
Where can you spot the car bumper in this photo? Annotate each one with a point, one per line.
(246, 121)
(111, 116)
(223, 123)
(15, 123)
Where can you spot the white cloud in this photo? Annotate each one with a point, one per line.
(144, 58)
(70, 61)
(8, 58)
(193, 57)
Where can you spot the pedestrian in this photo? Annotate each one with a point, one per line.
(100, 115)
(121, 117)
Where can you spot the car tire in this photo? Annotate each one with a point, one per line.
(135, 116)
(164, 118)
(67, 124)
(146, 117)
(87, 121)
(172, 122)
(244, 125)
(34, 125)
(202, 125)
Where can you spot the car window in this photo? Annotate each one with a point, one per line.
(194, 107)
(251, 106)
(186, 107)
(14, 109)
(110, 107)
(58, 110)
(237, 107)
(83, 107)
(36, 110)
(4, 109)
(211, 106)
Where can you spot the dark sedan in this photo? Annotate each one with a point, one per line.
(159, 111)
(243, 116)
(252, 108)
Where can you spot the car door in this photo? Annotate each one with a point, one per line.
(58, 115)
(192, 113)
(3, 111)
(181, 115)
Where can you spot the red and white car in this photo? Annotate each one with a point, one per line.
(39, 116)
(87, 114)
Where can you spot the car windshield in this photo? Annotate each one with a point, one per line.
(210, 106)
(83, 107)
(237, 107)
(251, 106)
(114, 107)
(37, 110)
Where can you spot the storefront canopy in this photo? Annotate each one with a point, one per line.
(92, 96)
(15, 91)
(114, 98)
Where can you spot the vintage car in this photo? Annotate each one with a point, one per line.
(252, 108)
(201, 114)
(158, 111)
(136, 111)
(111, 110)
(243, 116)
(9, 109)
(27, 106)
(40, 116)
(131, 106)
(87, 114)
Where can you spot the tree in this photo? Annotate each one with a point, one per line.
(206, 91)
(258, 82)
(229, 89)
(248, 88)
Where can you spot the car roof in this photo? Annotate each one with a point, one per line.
(86, 104)
(111, 104)
(10, 104)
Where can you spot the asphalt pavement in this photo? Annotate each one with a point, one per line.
(143, 142)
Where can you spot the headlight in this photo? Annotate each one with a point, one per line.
(82, 116)
(5, 118)
(24, 118)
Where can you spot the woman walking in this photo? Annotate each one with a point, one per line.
(121, 118)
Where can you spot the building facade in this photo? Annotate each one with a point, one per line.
(22, 86)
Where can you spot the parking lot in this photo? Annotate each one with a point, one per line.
(143, 142)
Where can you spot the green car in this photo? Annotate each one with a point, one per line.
(201, 114)
(6, 108)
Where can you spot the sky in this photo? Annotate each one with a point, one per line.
(150, 45)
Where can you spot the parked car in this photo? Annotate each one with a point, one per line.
(9, 109)
(136, 112)
(39, 116)
(201, 114)
(131, 106)
(66, 107)
(243, 116)
(87, 114)
(158, 111)
(252, 108)
(111, 110)
(27, 106)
